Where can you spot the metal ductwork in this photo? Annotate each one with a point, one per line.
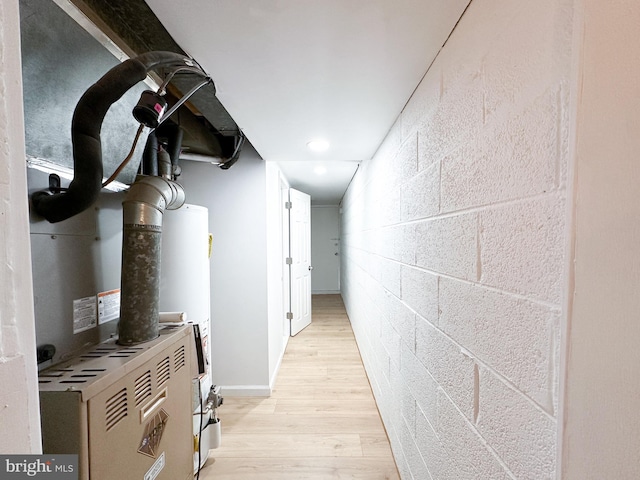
(132, 25)
(85, 134)
(148, 196)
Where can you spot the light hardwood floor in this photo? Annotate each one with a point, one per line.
(321, 421)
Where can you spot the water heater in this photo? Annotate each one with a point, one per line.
(185, 287)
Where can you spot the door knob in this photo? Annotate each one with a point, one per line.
(310, 268)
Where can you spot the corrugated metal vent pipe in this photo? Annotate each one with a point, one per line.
(147, 198)
(143, 210)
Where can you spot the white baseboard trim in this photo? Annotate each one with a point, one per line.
(245, 390)
(274, 377)
(325, 292)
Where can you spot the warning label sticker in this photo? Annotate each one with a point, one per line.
(84, 314)
(108, 306)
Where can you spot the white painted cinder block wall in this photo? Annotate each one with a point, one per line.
(454, 250)
(19, 407)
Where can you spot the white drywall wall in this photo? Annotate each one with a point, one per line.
(454, 250)
(602, 425)
(237, 219)
(19, 407)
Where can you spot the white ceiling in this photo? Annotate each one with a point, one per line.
(289, 71)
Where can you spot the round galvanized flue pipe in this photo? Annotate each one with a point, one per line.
(143, 209)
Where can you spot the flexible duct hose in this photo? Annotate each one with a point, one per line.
(85, 134)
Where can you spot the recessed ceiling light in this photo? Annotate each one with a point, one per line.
(318, 145)
(320, 170)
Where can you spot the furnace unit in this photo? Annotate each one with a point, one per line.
(124, 410)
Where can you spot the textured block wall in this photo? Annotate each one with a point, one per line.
(19, 407)
(453, 241)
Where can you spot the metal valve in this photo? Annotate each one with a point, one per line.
(214, 399)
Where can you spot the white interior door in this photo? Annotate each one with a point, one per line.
(300, 259)
(325, 250)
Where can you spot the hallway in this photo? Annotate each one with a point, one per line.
(321, 421)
